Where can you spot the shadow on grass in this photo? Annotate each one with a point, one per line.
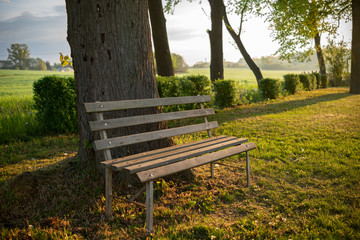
(264, 108)
(63, 190)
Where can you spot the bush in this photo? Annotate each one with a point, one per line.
(292, 83)
(201, 83)
(318, 79)
(168, 86)
(225, 93)
(324, 81)
(270, 88)
(307, 81)
(248, 94)
(55, 102)
(192, 85)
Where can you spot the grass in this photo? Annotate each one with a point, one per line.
(305, 181)
(19, 82)
(17, 119)
(240, 74)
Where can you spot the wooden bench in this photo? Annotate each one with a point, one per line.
(155, 164)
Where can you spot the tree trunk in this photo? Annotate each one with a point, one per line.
(112, 59)
(216, 43)
(320, 55)
(355, 48)
(236, 37)
(159, 34)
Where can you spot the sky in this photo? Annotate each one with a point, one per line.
(42, 25)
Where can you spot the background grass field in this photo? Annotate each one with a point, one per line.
(19, 82)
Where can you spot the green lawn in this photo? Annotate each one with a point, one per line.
(240, 74)
(305, 181)
(19, 82)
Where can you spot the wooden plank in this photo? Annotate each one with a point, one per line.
(145, 119)
(167, 150)
(150, 136)
(152, 174)
(181, 156)
(151, 157)
(142, 103)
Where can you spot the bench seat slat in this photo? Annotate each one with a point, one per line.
(181, 156)
(154, 173)
(171, 153)
(143, 103)
(150, 136)
(164, 150)
(144, 119)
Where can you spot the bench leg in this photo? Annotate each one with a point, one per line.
(149, 206)
(212, 170)
(248, 169)
(108, 192)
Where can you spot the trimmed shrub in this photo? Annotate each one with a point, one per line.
(168, 86)
(192, 85)
(324, 81)
(307, 81)
(313, 81)
(55, 102)
(270, 88)
(318, 79)
(201, 84)
(225, 93)
(292, 83)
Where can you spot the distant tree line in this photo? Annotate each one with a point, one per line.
(19, 58)
(268, 63)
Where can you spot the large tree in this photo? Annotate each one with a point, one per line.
(296, 23)
(19, 55)
(216, 40)
(355, 48)
(160, 39)
(112, 60)
(241, 8)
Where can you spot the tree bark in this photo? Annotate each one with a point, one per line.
(160, 39)
(320, 55)
(236, 37)
(112, 59)
(355, 48)
(216, 43)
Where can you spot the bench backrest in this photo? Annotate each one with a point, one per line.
(102, 124)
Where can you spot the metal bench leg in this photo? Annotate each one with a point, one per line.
(212, 170)
(149, 206)
(248, 169)
(108, 192)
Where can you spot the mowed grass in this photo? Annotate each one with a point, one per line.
(19, 82)
(305, 181)
(240, 74)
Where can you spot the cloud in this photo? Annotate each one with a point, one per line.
(5, 1)
(45, 36)
(28, 27)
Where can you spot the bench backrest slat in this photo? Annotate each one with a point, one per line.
(150, 136)
(145, 119)
(143, 103)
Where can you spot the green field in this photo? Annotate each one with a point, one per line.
(19, 82)
(305, 181)
(240, 74)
